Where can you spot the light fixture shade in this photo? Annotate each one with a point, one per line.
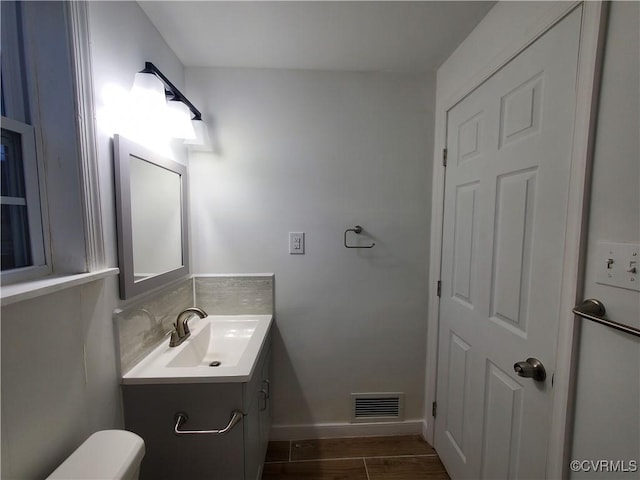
(148, 93)
(146, 118)
(201, 141)
(179, 117)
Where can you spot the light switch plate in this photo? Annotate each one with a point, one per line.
(296, 243)
(618, 265)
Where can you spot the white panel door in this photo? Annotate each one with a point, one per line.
(507, 177)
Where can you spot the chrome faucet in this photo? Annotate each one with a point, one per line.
(181, 328)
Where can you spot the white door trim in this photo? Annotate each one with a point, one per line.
(589, 68)
(589, 63)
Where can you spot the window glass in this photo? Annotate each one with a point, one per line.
(4, 109)
(12, 172)
(15, 245)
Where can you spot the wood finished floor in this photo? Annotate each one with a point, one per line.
(406, 457)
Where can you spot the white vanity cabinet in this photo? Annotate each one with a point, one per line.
(150, 411)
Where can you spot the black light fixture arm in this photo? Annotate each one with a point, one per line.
(172, 89)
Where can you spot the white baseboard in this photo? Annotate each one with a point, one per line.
(339, 430)
(425, 431)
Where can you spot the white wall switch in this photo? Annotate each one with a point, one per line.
(618, 265)
(296, 243)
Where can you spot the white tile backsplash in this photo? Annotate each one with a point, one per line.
(235, 295)
(142, 326)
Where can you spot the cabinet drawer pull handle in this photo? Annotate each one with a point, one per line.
(268, 385)
(181, 419)
(266, 399)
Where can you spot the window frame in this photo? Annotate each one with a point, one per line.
(70, 200)
(35, 219)
(18, 118)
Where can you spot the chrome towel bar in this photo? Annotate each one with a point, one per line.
(594, 310)
(181, 419)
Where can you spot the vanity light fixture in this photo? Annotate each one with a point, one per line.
(180, 108)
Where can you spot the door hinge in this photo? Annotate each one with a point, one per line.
(434, 408)
(444, 157)
(439, 287)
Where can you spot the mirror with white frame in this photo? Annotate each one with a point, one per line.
(151, 218)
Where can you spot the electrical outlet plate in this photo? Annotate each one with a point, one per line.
(618, 265)
(296, 243)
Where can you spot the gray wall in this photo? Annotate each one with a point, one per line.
(59, 380)
(319, 152)
(607, 417)
(122, 39)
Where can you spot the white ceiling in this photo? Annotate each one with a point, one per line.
(330, 35)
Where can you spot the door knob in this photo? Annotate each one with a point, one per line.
(532, 368)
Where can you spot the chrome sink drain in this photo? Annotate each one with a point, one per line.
(215, 363)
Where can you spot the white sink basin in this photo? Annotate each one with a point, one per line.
(223, 340)
(232, 343)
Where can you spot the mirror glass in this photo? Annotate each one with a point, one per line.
(151, 217)
(155, 219)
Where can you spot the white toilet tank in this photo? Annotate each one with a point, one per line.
(107, 454)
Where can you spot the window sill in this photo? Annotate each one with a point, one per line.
(18, 292)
